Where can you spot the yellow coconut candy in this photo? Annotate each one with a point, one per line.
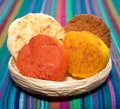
(88, 54)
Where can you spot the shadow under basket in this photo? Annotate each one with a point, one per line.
(68, 87)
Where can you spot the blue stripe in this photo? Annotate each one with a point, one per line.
(42, 104)
(104, 14)
(99, 98)
(22, 101)
(5, 93)
(116, 85)
(2, 2)
(37, 6)
(6, 10)
(43, 6)
(75, 8)
(12, 96)
(89, 101)
(83, 7)
(17, 97)
(91, 7)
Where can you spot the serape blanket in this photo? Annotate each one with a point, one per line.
(107, 96)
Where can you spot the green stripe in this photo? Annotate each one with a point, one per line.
(69, 10)
(74, 101)
(47, 105)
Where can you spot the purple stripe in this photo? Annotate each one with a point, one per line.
(97, 12)
(63, 14)
(112, 94)
(3, 6)
(30, 104)
(78, 5)
(32, 7)
(87, 6)
(117, 29)
(114, 59)
(7, 17)
(48, 6)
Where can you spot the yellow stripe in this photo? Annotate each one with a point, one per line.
(38, 104)
(5, 31)
(114, 12)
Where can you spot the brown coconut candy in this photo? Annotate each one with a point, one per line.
(89, 22)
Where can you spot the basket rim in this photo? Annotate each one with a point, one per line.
(55, 86)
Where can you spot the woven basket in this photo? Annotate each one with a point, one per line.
(67, 87)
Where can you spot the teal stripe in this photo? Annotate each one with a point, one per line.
(107, 97)
(43, 6)
(116, 4)
(69, 10)
(6, 10)
(53, 8)
(25, 8)
(114, 35)
(2, 79)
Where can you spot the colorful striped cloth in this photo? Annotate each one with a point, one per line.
(106, 96)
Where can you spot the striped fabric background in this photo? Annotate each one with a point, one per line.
(105, 97)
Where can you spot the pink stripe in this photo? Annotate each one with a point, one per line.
(3, 6)
(112, 94)
(63, 13)
(65, 105)
(94, 101)
(87, 6)
(58, 11)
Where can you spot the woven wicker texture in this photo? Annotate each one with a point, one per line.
(67, 87)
